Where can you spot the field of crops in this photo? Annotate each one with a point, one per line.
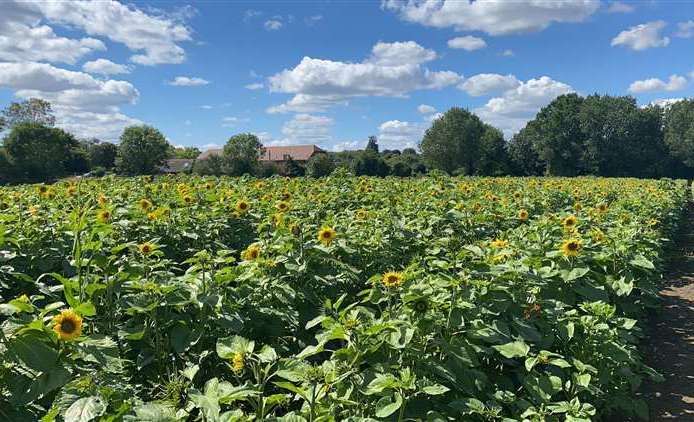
(233, 299)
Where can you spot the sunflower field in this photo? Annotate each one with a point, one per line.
(184, 298)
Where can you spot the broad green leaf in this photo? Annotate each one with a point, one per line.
(386, 406)
(514, 349)
(85, 409)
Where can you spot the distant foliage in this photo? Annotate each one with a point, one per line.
(142, 150)
(320, 165)
(679, 131)
(241, 154)
(33, 110)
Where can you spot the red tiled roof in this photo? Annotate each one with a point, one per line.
(272, 153)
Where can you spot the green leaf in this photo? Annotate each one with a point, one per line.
(576, 273)
(435, 390)
(228, 346)
(34, 351)
(513, 350)
(386, 406)
(85, 409)
(267, 354)
(643, 262)
(380, 383)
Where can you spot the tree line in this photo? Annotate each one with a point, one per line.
(597, 135)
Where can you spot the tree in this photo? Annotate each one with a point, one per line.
(190, 153)
(142, 150)
(211, 166)
(679, 131)
(102, 154)
(293, 169)
(242, 153)
(39, 152)
(33, 110)
(453, 141)
(523, 160)
(372, 145)
(320, 165)
(7, 168)
(368, 163)
(493, 159)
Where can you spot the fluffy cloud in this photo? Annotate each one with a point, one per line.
(23, 42)
(188, 81)
(510, 111)
(468, 43)
(675, 83)
(233, 121)
(392, 70)
(396, 134)
(254, 86)
(488, 83)
(306, 129)
(272, 25)
(492, 17)
(665, 102)
(105, 67)
(85, 105)
(642, 37)
(426, 109)
(619, 7)
(685, 29)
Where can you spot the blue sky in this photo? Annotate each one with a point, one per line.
(333, 72)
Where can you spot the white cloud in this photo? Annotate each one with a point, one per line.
(468, 43)
(434, 116)
(232, 121)
(154, 36)
(273, 25)
(685, 29)
(105, 67)
(250, 14)
(665, 102)
(426, 109)
(312, 20)
(620, 7)
(492, 17)
(675, 83)
(83, 105)
(642, 37)
(396, 134)
(188, 81)
(345, 146)
(306, 129)
(488, 83)
(206, 107)
(24, 42)
(515, 107)
(508, 53)
(254, 86)
(392, 70)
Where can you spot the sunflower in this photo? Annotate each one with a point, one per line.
(392, 279)
(571, 247)
(282, 206)
(242, 206)
(187, 199)
(67, 324)
(597, 235)
(361, 214)
(42, 189)
(71, 191)
(499, 243)
(251, 253)
(421, 306)
(146, 248)
(326, 235)
(278, 219)
(144, 204)
(570, 222)
(104, 216)
(602, 207)
(237, 362)
(101, 199)
(523, 215)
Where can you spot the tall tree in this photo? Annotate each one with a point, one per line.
(372, 145)
(142, 150)
(33, 110)
(679, 131)
(493, 159)
(453, 141)
(523, 158)
(39, 152)
(184, 152)
(242, 153)
(102, 154)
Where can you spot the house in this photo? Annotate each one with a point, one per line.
(177, 165)
(277, 154)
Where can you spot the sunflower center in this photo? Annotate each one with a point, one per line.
(68, 326)
(572, 246)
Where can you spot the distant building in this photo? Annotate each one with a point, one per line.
(298, 153)
(177, 165)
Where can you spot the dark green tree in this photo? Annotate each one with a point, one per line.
(190, 153)
(523, 160)
(679, 131)
(453, 142)
(39, 152)
(493, 159)
(372, 144)
(293, 169)
(102, 154)
(320, 165)
(33, 110)
(211, 166)
(242, 153)
(142, 150)
(368, 163)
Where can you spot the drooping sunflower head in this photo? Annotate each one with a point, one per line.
(71, 190)
(326, 235)
(101, 199)
(238, 362)
(242, 206)
(103, 216)
(146, 248)
(392, 279)
(570, 222)
(144, 204)
(251, 253)
(523, 215)
(68, 325)
(571, 247)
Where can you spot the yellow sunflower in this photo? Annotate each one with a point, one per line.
(144, 204)
(392, 279)
(570, 222)
(523, 215)
(242, 206)
(326, 235)
(571, 247)
(146, 248)
(237, 362)
(282, 206)
(68, 325)
(103, 216)
(251, 253)
(499, 243)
